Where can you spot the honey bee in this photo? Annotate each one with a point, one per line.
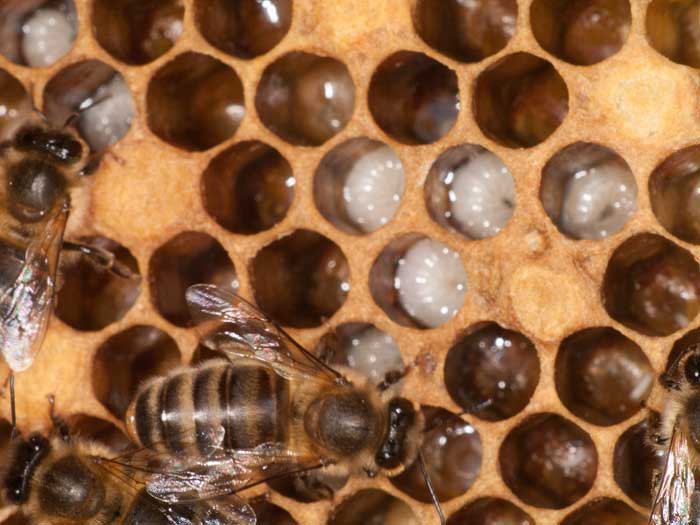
(271, 403)
(38, 166)
(66, 482)
(678, 432)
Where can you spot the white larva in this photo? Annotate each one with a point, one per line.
(373, 188)
(431, 282)
(373, 353)
(481, 194)
(106, 116)
(47, 35)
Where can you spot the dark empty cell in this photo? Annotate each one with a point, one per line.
(372, 506)
(358, 185)
(5, 433)
(248, 188)
(605, 511)
(492, 372)
(99, 98)
(126, 360)
(602, 376)
(15, 104)
(37, 33)
(17, 519)
(301, 279)
(674, 190)
(137, 31)
(672, 30)
(414, 98)
(309, 486)
(490, 511)
(466, 31)
(186, 259)
(582, 32)
(548, 461)
(635, 463)
(270, 514)
(520, 100)
(195, 102)
(652, 285)
(588, 191)
(244, 28)
(452, 451)
(92, 297)
(305, 98)
(98, 430)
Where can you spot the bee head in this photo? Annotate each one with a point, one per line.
(59, 146)
(399, 446)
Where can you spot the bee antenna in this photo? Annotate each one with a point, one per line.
(429, 484)
(13, 413)
(86, 104)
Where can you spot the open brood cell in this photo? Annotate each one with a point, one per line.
(505, 207)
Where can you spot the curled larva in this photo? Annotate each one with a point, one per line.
(47, 35)
(106, 116)
(373, 353)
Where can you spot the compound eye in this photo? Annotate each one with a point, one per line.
(692, 370)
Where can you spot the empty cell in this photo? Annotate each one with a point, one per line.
(414, 98)
(469, 190)
(520, 100)
(466, 31)
(588, 191)
(15, 105)
(582, 32)
(652, 285)
(194, 102)
(95, 429)
(672, 29)
(243, 28)
(137, 31)
(270, 514)
(248, 188)
(372, 506)
(305, 98)
(605, 511)
(490, 511)
(358, 185)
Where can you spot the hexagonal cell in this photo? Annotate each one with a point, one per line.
(304, 98)
(492, 372)
(248, 187)
(674, 191)
(470, 191)
(245, 28)
(602, 376)
(97, 95)
(490, 511)
(466, 31)
(362, 347)
(186, 259)
(300, 280)
(92, 297)
(418, 281)
(358, 185)
(372, 506)
(635, 463)
(270, 514)
(414, 98)
(452, 451)
(98, 430)
(37, 33)
(126, 360)
(520, 100)
(582, 32)
(195, 102)
(605, 511)
(15, 104)
(136, 31)
(672, 30)
(548, 461)
(588, 191)
(309, 486)
(652, 285)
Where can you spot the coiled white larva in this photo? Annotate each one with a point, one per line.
(47, 35)
(107, 114)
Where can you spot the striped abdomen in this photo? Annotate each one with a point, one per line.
(248, 402)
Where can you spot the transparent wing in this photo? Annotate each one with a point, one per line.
(675, 487)
(228, 323)
(25, 305)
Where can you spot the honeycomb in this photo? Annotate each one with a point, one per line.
(227, 164)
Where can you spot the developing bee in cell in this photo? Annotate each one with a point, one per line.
(273, 405)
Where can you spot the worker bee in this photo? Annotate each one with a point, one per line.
(273, 403)
(60, 481)
(678, 431)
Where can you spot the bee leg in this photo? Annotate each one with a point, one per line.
(12, 405)
(101, 257)
(59, 424)
(392, 377)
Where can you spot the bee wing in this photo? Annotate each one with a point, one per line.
(672, 502)
(228, 323)
(25, 305)
(224, 511)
